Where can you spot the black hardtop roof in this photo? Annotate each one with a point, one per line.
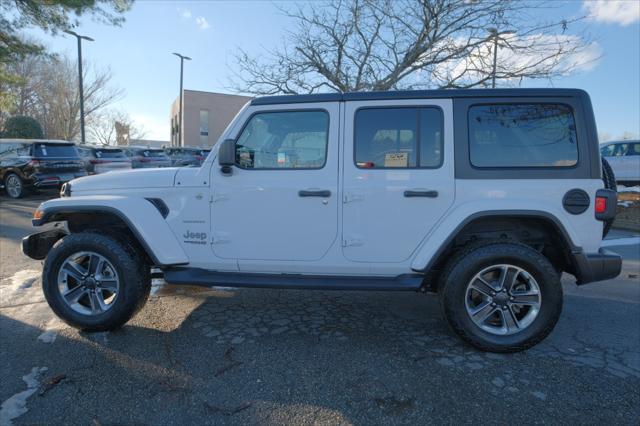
(47, 141)
(418, 94)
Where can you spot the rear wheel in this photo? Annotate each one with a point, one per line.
(500, 296)
(14, 186)
(94, 282)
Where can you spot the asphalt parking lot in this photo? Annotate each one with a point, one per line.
(212, 356)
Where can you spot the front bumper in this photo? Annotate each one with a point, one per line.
(600, 266)
(37, 246)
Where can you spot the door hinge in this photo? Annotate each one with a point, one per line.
(219, 196)
(351, 242)
(348, 197)
(219, 238)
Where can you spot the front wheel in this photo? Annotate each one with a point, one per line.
(501, 297)
(94, 282)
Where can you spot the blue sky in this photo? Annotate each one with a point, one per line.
(139, 54)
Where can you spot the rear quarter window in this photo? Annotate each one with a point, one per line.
(522, 135)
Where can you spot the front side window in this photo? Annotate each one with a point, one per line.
(284, 140)
(634, 149)
(522, 135)
(387, 138)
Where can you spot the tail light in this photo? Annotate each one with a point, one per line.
(34, 163)
(605, 204)
(144, 160)
(97, 161)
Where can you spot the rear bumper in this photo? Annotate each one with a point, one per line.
(44, 180)
(600, 266)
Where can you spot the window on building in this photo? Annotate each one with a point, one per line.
(522, 135)
(398, 138)
(204, 126)
(284, 140)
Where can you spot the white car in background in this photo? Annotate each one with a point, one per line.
(624, 158)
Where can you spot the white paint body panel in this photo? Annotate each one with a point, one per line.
(380, 224)
(258, 214)
(254, 221)
(141, 214)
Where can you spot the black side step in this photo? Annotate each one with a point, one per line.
(206, 278)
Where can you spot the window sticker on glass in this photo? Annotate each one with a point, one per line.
(282, 159)
(396, 159)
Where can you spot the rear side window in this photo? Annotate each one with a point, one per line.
(522, 135)
(153, 153)
(387, 138)
(55, 150)
(109, 153)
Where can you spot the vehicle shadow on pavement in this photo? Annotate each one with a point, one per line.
(255, 356)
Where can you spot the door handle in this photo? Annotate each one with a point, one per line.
(420, 193)
(314, 193)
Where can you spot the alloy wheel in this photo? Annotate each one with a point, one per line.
(503, 299)
(88, 283)
(13, 185)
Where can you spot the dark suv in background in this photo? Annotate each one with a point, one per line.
(100, 159)
(37, 163)
(145, 157)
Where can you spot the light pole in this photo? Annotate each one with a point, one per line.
(80, 38)
(182, 58)
(496, 36)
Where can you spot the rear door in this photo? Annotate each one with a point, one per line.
(398, 176)
(279, 203)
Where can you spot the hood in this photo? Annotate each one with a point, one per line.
(126, 179)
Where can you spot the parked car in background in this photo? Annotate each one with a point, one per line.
(183, 156)
(99, 159)
(35, 163)
(624, 158)
(145, 157)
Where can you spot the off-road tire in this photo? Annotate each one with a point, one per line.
(609, 179)
(134, 273)
(476, 256)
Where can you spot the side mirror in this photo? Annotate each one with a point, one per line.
(227, 153)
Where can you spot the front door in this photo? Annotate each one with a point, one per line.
(398, 176)
(280, 200)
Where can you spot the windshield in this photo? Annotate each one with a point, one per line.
(54, 150)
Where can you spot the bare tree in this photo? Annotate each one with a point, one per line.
(359, 45)
(103, 127)
(48, 92)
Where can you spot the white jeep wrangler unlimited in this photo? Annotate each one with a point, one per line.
(483, 196)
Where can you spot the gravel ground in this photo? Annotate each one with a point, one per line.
(225, 356)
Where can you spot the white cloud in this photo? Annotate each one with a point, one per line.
(623, 12)
(202, 23)
(539, 58)
(154, 128)
(185, 13)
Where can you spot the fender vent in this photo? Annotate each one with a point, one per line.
(576, 201)
(160, 205)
